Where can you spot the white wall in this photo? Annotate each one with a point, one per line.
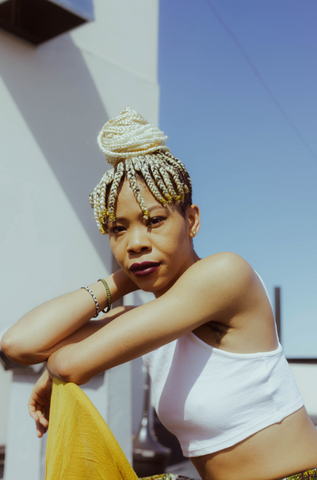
(5, 382)
(54, 99)
(306, 379)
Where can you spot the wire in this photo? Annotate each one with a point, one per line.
(261, 79)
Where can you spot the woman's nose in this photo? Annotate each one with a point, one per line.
(138, 240)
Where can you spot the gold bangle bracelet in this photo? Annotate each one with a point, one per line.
(105, 284)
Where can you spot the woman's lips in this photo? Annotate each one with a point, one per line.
(144, 268)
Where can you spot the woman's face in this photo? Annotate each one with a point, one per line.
(155, 252)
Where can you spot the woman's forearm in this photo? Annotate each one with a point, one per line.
(30, 340)
(57, 367)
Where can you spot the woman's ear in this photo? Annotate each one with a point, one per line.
(193, 217)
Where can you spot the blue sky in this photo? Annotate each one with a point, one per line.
(239, 104)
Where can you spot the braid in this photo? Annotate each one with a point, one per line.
(151, 185)
(114, 190)
(168, 183)
(177, 181)
(137, 150)
(134, 185)
(181, 169)
(159, 181)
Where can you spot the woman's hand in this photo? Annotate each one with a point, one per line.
(121, 284)
(39, 402)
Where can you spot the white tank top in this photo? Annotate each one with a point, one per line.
(212, 399)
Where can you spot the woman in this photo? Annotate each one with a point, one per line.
(220, 380)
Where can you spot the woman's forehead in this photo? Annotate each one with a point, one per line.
(126, 200)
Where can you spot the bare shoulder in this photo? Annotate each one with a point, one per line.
(226, 259)
(218, 285)
(224, 267)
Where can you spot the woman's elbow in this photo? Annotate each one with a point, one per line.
(10, 348)
(73, 377)
(66, 374)
(15, 349)
(64, 367)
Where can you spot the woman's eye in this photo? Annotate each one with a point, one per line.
(155, 221)
(117, 229)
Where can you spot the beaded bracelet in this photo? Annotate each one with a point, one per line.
(94, 299)
(105, 284)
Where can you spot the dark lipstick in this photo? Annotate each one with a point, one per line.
(144, 268)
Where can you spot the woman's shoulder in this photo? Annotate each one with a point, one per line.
(218, 285)
(223, 264)
(222, 275)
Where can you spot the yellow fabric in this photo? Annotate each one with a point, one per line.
(80, 445)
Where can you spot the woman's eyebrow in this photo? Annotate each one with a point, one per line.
(156, 207)
(151, 209)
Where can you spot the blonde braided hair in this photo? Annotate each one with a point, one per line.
(137, 149)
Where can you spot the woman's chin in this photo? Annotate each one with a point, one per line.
(152, 285)
(147, 287)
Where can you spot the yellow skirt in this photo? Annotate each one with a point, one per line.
(80, 445)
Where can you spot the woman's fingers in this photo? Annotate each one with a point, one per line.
(34, 415)
(40, 414)
(41, 423)
(32, 409)
(42, 420)
(40, 429)
(39, 403)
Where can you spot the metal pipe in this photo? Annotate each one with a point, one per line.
(277, 296)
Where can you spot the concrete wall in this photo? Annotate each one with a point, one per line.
(54, 99)
(5, 384)
(306, 379)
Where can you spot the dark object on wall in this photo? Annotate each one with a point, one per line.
(149, 456)
(2, 457)
(277, 298)
(278, 319)
(40, 20)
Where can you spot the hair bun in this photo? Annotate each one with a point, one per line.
(129, 135)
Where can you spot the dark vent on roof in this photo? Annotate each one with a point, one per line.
(40, 20)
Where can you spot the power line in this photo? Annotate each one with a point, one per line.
(261, 79)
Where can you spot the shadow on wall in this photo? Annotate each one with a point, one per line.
(56, 95)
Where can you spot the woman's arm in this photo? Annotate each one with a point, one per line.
(39, 401)
(32, 338)
(212, 289)
(91, 327)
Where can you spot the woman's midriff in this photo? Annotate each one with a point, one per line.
(273, 453)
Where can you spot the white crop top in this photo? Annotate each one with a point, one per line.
(212, 399)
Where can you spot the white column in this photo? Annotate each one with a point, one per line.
(119, 414)
(24, 448)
